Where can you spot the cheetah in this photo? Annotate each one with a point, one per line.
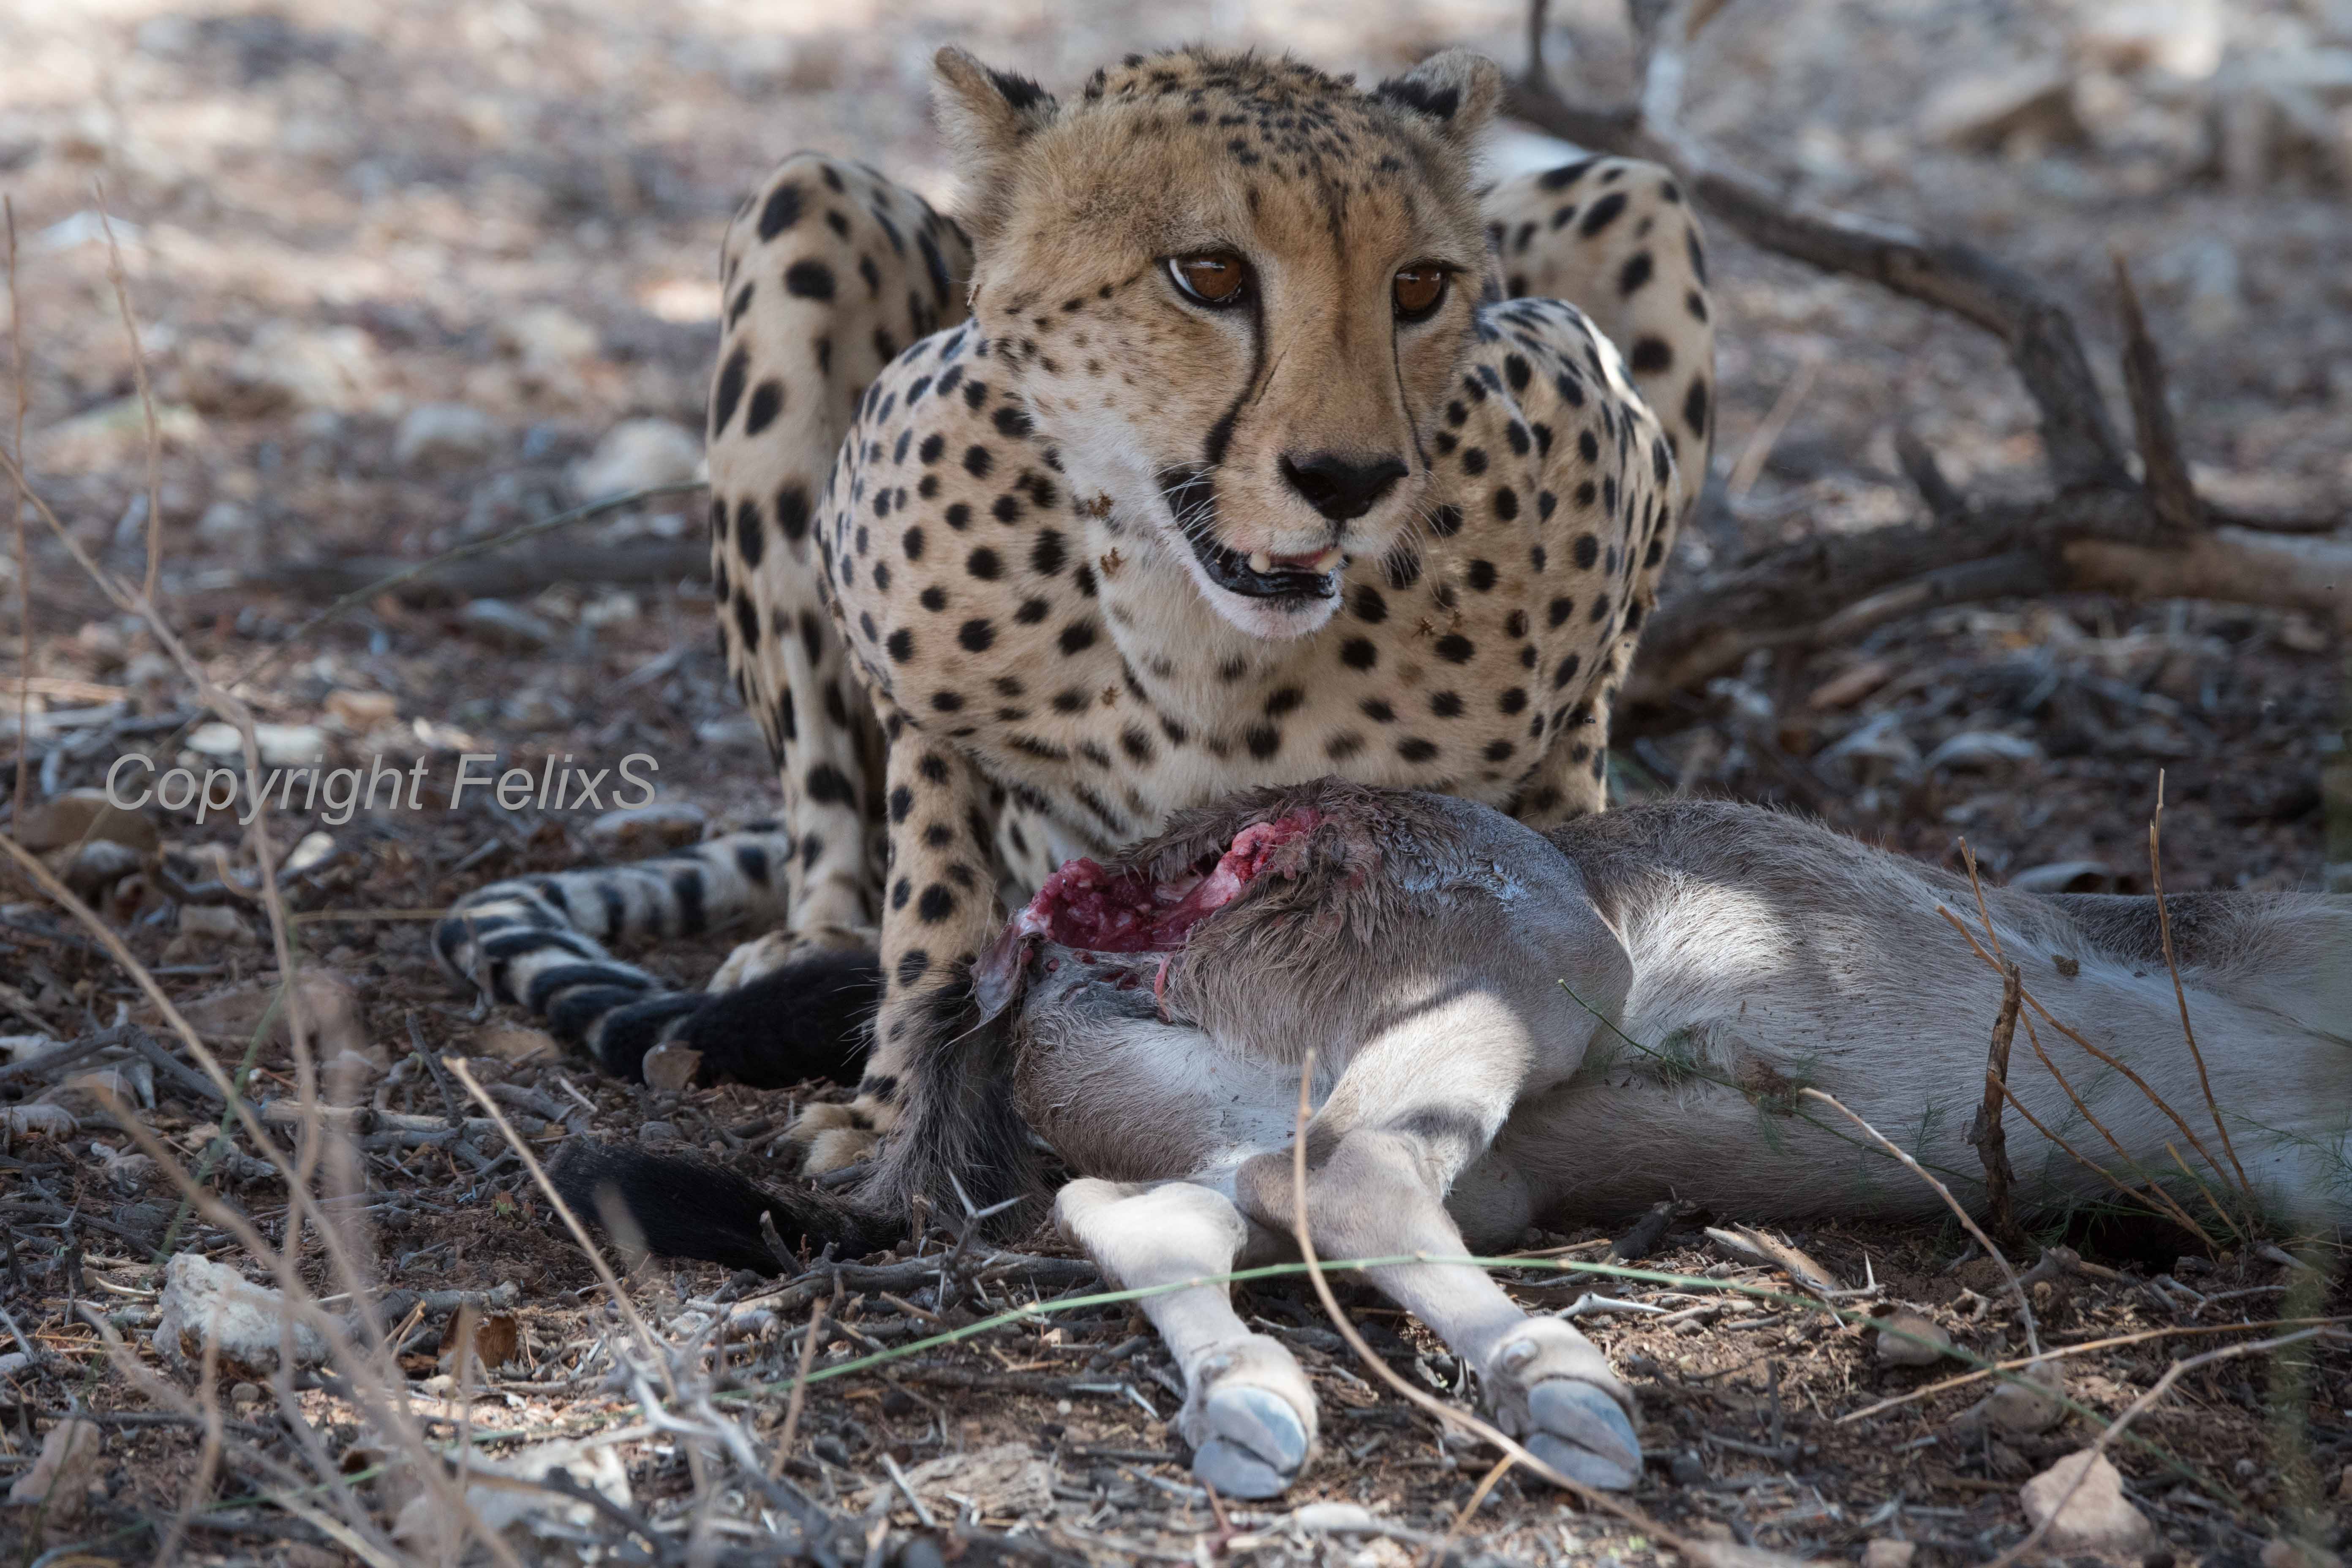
(1230, 436)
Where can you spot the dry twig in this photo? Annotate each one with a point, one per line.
(2024, 1306)
(16, 515)
(2180, 994)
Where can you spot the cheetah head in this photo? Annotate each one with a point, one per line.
(1233, 290)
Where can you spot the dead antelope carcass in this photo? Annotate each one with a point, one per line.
(1508, 1027)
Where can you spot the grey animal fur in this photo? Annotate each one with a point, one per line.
(1511, 1028)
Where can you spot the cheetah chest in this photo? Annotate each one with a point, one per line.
(1066, 650)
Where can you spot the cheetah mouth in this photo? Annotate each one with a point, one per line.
(1296, 580)
(1090, 909)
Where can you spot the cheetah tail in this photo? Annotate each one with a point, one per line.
(537, 942)
(683, 1206)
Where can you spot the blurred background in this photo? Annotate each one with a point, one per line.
(410, 273)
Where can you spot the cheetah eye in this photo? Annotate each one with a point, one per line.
(1419, 289)
(1212, 278)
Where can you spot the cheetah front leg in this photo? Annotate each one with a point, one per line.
(830, 270)
(930, 1076)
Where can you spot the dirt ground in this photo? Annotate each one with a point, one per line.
(407, 275)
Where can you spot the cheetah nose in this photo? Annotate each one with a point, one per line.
(1342, 487)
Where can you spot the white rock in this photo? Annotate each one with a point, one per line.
(499, 1507)
(1884, 1553)
(2183, 38)
(2097, 1516)
(444, 436)
(1317, 1518)
(614, 609)
(635, 454)
(206, 1302)
(280, 745)
(313, 850)
(331, 368)
(547, 337)
(225, 524)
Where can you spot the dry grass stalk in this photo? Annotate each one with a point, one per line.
(17, 516)
(2154, 1194)
(375, 1384)
(1461, 1420)
(146, 395)
(818, 1312)
(2024, 1306)
(2180, 993)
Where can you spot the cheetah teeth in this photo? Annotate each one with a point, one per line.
(1261, 562)
(1325, 562)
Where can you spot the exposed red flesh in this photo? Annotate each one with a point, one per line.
(1084, 906)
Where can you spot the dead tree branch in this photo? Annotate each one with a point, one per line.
(2100, 530)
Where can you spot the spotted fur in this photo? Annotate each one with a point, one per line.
(980, 490)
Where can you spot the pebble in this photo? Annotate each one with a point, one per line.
(361, 711)
(84, 814)
(2096, 1517)
(1885, 1554)
(203, 1300)
(547, 337)
(216, 921)
(1903, 1347)
(280, 745)
(496, 621)
(443, 435)
(635, 454)
(225, 523)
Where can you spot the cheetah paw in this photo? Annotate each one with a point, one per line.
(763, 955)
(831, 1137)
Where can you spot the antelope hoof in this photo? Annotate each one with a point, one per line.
(1252, 1443)
(1583, 1434)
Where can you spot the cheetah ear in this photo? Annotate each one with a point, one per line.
(1452, 93)
(986, 115)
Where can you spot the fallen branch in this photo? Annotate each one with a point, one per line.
(2099, 530)
(1985, 1132)
(637, 561)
